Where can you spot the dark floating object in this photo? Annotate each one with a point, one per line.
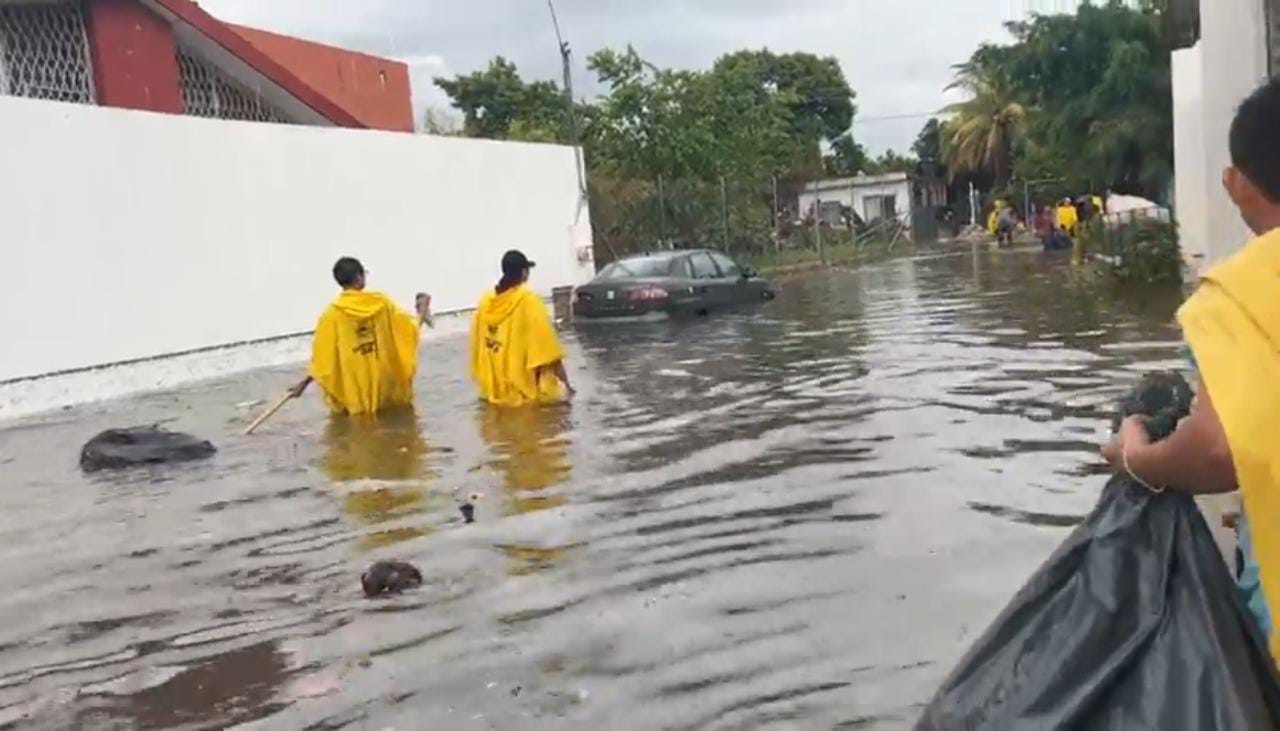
(117, 449)
(390, 577)
(467, 505)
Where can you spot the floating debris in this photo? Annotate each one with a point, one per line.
(390, 577)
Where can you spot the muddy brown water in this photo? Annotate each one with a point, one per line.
(791, 517)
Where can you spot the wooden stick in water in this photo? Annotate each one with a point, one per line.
(268, 414)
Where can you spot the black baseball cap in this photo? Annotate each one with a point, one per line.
(514, 262)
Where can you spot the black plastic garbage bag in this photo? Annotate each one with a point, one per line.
(144, 445)
(1133, 623)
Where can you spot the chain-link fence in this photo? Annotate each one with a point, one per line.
(765, 221)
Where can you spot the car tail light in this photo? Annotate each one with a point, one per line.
(648, 294)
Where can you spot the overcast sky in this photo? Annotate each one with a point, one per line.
(897, 54)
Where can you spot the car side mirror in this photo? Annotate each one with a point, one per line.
(749, 273)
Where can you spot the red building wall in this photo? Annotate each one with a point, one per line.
(135, 65)
(374, 90)
(134, 61)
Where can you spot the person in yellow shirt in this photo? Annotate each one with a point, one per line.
(1232, 324)
(365, 351)
(516, 357)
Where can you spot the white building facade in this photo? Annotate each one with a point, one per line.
(1227, 48)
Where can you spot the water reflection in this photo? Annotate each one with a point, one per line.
(223, 690)
(391, 452)
(530, 448)
(792, 515)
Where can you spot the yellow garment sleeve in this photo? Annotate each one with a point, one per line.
(1232, 323)
(543, 344)
(324, 349)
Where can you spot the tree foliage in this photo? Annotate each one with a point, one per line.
(667, 149)
(847, 157)
(985, 127)
(494, 100)
(928, 145)
(1085, 97)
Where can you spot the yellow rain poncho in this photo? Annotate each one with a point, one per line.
(1068, 218)
(365, 353)
(1232, 323)
(512, 343)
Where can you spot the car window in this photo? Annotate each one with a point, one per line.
(703, 266)
(681, 269)
(728, 268)
(651, 266)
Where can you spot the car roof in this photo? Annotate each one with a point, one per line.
(668, 254)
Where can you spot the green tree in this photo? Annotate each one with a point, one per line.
(846, 158)
(981, 134)
(1084, 97)
(492, 100)
(928, 145)
(812, 88)
(891, 162)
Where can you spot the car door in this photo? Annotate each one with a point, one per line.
(707, 282)
(735, 288)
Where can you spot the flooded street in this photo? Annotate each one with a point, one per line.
(794, 517)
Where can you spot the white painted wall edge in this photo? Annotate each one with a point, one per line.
(35, 396)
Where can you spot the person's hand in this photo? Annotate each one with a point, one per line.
(1132, 435)
(300, 388)
(569, 390)
(423, 304)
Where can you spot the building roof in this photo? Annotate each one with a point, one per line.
(857, 181)
(374, 90)
(190, 20)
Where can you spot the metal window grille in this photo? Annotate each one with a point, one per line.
(208, 92)
(44, 53)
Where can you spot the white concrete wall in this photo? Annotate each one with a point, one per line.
(129, 235)
(1191, 181)
(1233, 55)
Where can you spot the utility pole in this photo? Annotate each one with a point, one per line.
(817, 222)
(973, 205)
(662, 214)
(724, 212)
(566, 62)
(777, 225)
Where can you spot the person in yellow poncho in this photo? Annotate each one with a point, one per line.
(1068, 217)
(365, 351)
(1232, 324)
(516, 357)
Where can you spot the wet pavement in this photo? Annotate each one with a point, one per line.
(791, 517)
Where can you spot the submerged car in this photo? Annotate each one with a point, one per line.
(693, 281)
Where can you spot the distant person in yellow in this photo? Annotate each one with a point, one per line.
(993, 218)
(1068, 217)
(365, 351)
(516, 357)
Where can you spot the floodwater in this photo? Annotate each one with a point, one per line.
(791, 517)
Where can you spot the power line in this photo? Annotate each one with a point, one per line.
(894, 117)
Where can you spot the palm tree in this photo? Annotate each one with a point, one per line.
(982, 130)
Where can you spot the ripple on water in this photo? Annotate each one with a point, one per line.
(797, 517)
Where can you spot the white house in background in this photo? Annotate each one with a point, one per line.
(872, 197)
(1224, 50)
